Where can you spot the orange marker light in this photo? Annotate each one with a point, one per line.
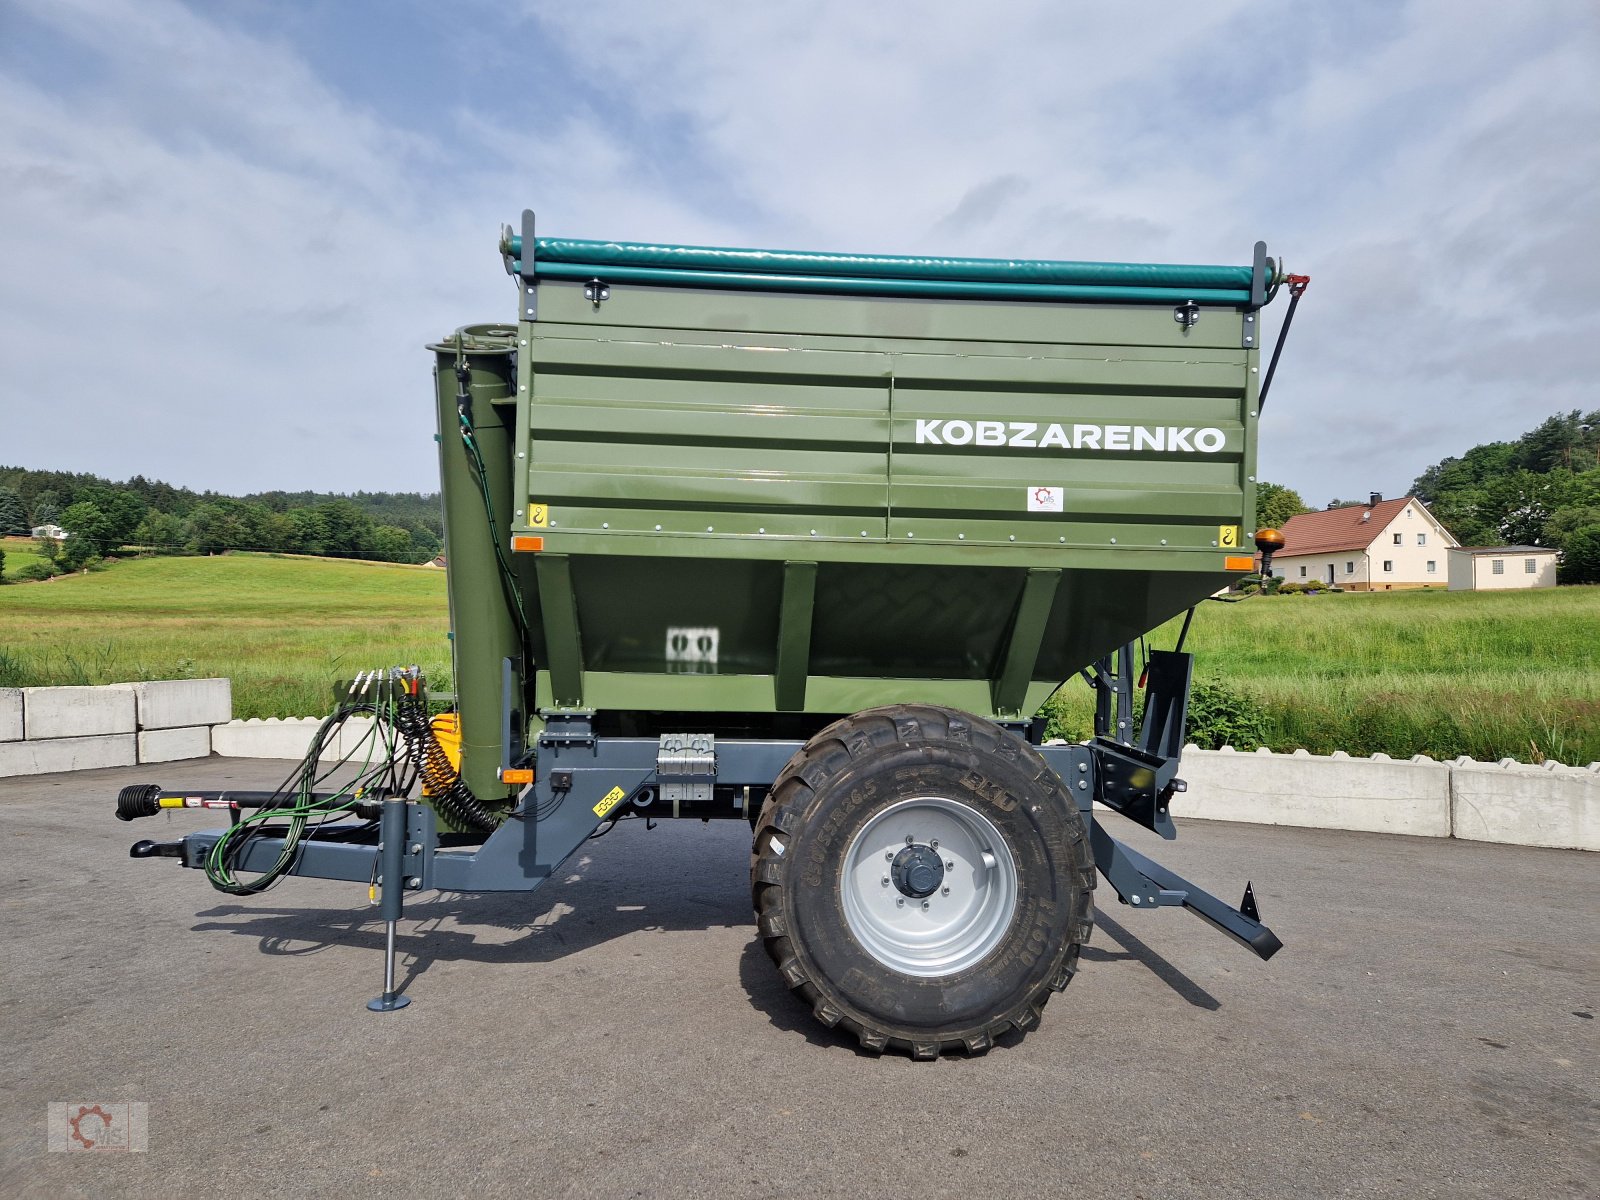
(523, 541)
(1238, 562)
(516, 775)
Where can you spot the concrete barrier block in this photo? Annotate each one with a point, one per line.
(10, 714)
(47, 755)
(271, 738)
(1317, 792)
(76, 712)
(1525, 806)
(286, 738)
(181, 703)
(351, 738)
(169, 745)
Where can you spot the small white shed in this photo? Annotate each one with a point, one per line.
(1493, 568)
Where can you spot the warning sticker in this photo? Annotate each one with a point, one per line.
(1044, 499)
(1228, 537)
(609, 801)
(539, 515)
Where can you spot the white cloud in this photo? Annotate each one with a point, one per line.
(231, 263)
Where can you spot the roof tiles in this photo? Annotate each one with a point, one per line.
(1339, 528)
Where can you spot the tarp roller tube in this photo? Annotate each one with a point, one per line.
(936, 288)
(880, 266)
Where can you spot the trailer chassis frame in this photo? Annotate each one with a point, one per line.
(585, 781)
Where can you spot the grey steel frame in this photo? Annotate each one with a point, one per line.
(578, 770)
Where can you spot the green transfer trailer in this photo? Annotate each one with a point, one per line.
(806, 540)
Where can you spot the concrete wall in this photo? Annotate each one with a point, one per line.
(49, 729)
(10, 714)
(70, 729)
(1377, 795)
(287, 737)
(1547, 805)
(1532, 806)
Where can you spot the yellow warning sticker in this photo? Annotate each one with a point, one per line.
(539, 516)
(609, 801)
(1228, 537)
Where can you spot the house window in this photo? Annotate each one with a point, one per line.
(1397, 538)
(1530, 566)
(1433, 567)
(1422, 539)
(1498, 566)
(1388, 564)
(1302, 572)
(1349, 568)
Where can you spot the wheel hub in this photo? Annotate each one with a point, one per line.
(917, 871)
(929, 886)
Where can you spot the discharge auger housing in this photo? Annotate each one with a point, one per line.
(806, 540)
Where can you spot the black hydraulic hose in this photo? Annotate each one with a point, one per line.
(1297, 288)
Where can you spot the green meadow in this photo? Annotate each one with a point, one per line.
(283, 629)
(1491, 675)
(1487, 674)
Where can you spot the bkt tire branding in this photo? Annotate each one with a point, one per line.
(1032, 435)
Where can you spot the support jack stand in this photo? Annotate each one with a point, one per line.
(391, 853)
(389, 1001)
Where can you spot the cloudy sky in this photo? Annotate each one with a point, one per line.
(227, 228)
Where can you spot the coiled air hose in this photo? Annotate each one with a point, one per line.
(447, 791)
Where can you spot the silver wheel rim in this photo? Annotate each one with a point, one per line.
(962, 920)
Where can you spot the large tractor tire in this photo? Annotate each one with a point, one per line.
(922, 879)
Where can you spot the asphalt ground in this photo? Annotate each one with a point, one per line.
(1428, 1031)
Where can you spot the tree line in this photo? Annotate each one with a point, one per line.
(103, 517)
(1543, 489)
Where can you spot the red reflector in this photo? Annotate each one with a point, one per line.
(523, 541)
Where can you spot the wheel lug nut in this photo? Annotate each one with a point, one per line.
(910, 841)
(943, 892)
(889, 857)
(924, 904)
(933, 845)
(900, 901)
(885, 881)
(949, 864)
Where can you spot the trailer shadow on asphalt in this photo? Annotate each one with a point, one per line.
(584, 912)
(1133, 948)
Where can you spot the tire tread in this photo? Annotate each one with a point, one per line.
(823, 757)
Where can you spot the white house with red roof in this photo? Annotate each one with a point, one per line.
(1379, 546)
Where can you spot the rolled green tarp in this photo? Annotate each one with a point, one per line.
(880, 266)
(931, 286)
(888, 266)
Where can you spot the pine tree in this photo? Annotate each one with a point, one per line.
(13, 517)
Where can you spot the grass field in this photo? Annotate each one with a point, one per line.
(283, 629)
(19, 552)
(1490, 674)
(1510, 674)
